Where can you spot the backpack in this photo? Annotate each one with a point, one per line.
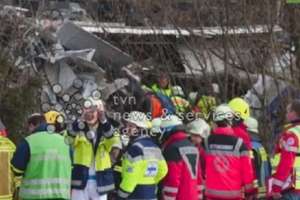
(166, 104)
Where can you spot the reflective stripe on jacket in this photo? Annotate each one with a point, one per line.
(155, 88)
(286, 163)
(143, 167)
(7, 148)
(262, 167)
(85, 152)
(48, 173)
(229, 172)
(184, 178)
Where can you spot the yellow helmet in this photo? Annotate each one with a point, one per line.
(52, 117)
(240, 107)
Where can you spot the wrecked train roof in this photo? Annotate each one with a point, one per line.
(176, 31)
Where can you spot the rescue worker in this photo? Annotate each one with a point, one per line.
(158, 97)
(184, 179)
(117, 163)
(163, 85)
(203, 105)
(43, 160)
(198, 131)
(143, 164)
(7, 183)
(94, 140)
(229, 173)
(262, 165)
(242, 111)
(178, 98)
(164, 99)
(285, 182)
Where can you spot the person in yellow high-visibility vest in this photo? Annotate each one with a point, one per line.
(163, 85)
(143, 164)
(94, 145)
(7, 148)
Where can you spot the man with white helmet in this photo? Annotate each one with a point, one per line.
(143, 165)
(198, 131)
(94, 140)
(184, 178)
(229, 173)
(262, 165)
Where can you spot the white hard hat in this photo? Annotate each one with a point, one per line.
(199, 127)
(156, 123)
(223, 112)
(139, 119)
(90, 102)
(170, 121)
(252, 125)
(178, 91)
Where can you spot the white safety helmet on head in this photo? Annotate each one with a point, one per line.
(170, 121)
(198, 127)
(223, 112)
(139, 119)
(252, 125)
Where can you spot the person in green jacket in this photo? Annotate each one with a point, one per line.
(43, 161)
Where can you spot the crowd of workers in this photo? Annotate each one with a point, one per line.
(161, 157)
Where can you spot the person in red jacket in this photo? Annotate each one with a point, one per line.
(285, 182)
(184, 180)
(198, 131)
(229, 173)
(242, 112)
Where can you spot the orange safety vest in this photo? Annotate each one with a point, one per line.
(156, 107)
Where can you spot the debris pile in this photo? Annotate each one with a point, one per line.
(73, 65)
(77, 69)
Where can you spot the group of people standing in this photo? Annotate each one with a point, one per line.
(162, 157)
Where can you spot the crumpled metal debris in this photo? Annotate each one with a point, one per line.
(66, 76)
(75, 38)
(76, 68)
(113, 87)
(72, 63)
